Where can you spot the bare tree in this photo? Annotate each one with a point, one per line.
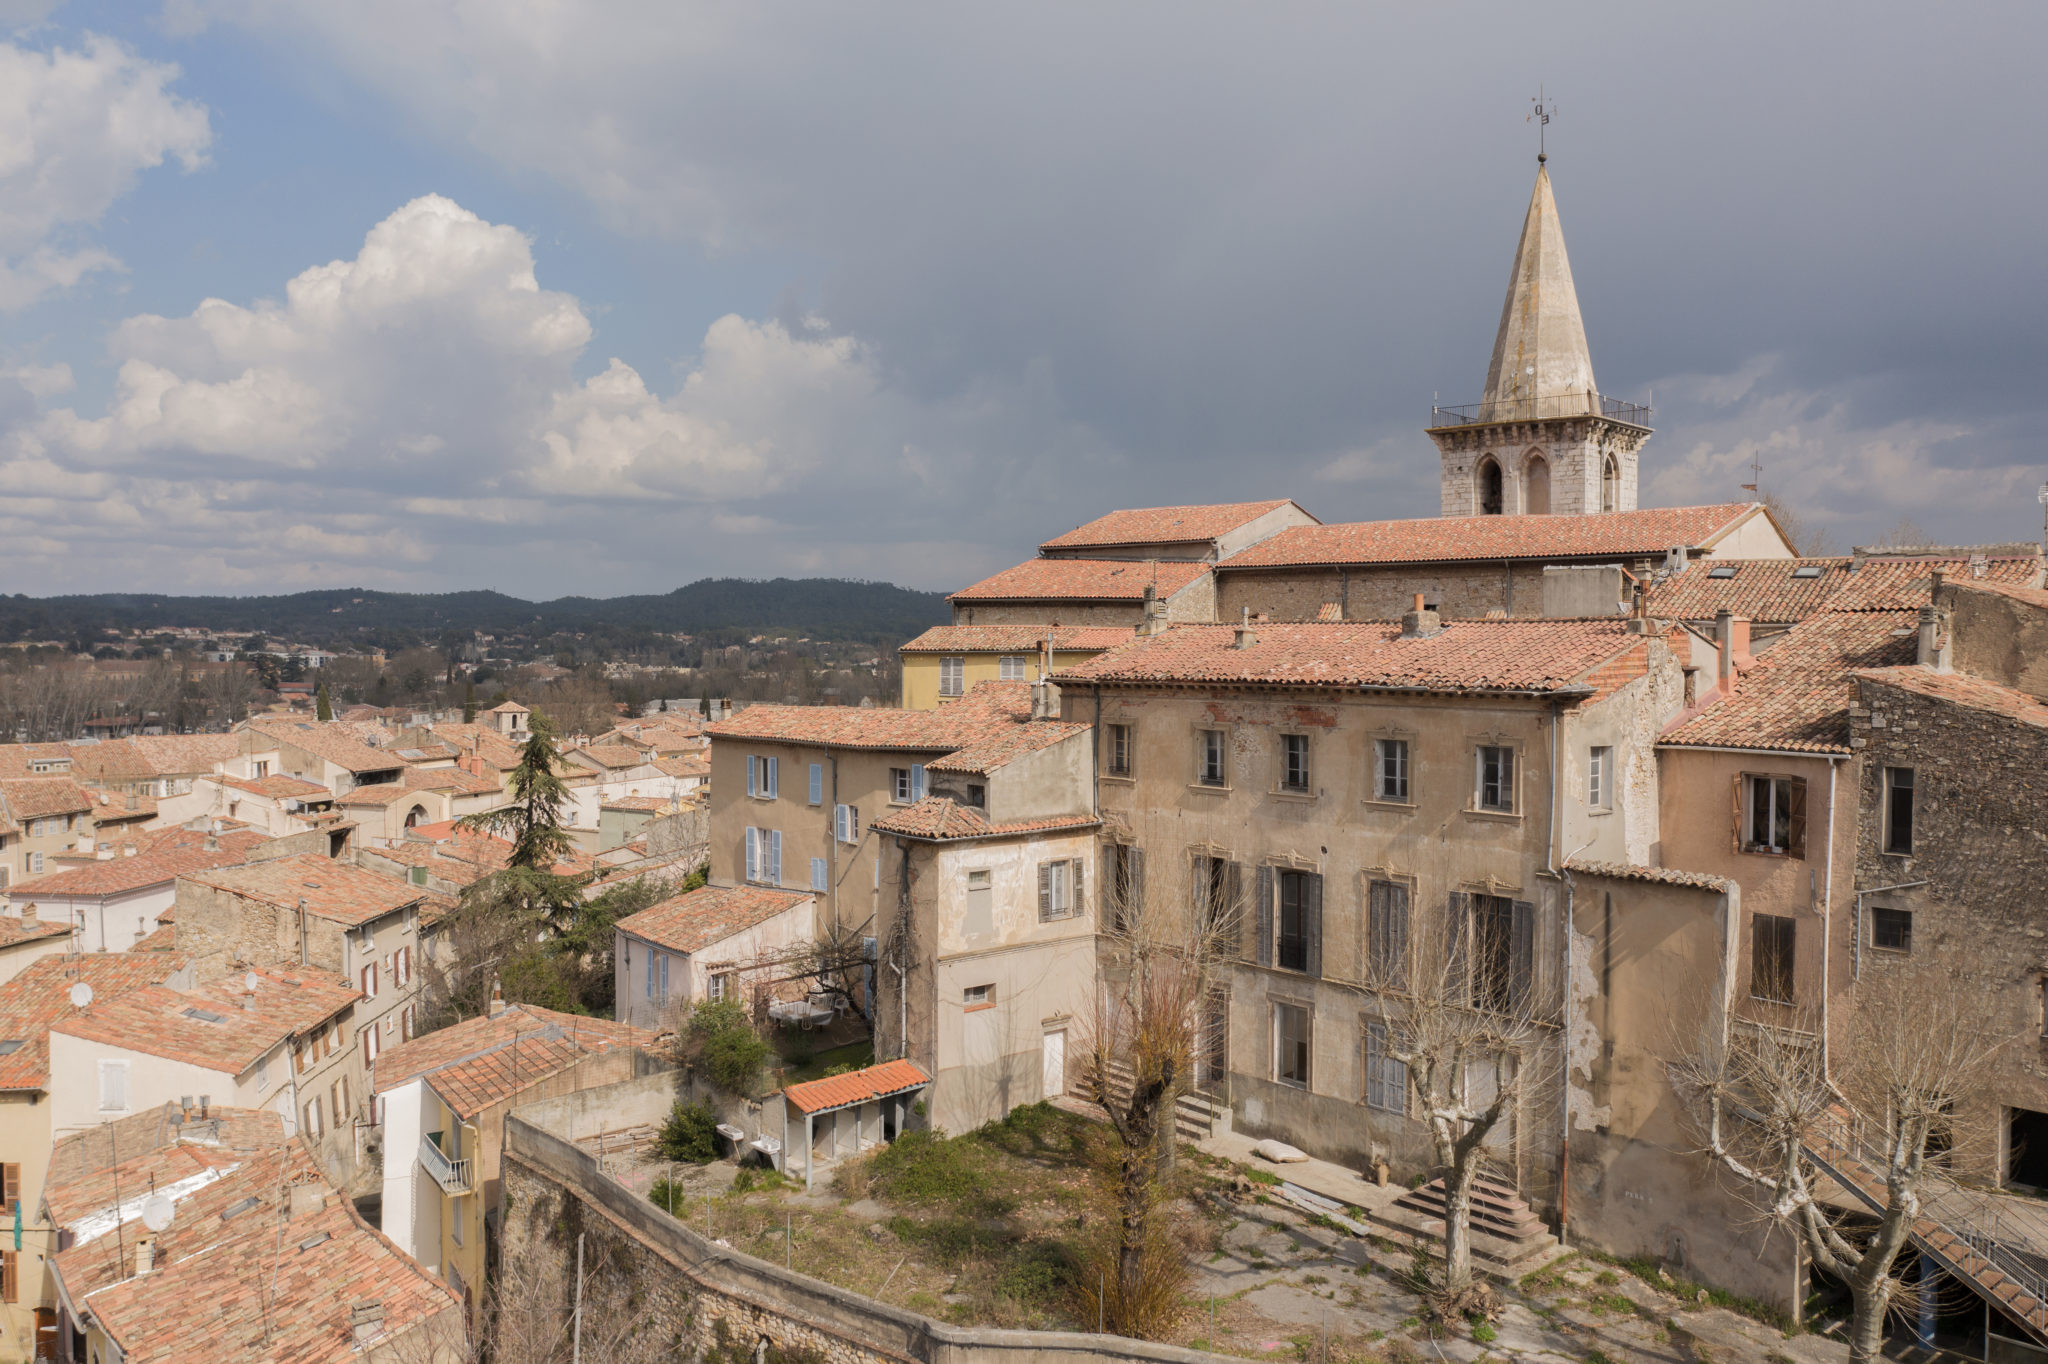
(1884, 1123)
(1137, 1049)
(1452, 1008)
(1807, 538)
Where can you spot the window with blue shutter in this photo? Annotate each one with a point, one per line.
(753, 775)
(773, 781)
(818, 873)
(753, 854)
(916, 782)
(774, 877)
(817, 783)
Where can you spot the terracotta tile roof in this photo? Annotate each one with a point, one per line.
(614, 755)
(163, 938)
(1082, 580)
(2032, 596)
(479, 1061)
(109, 761)
(237, 837)
(208, 1026)
(1761, 590)
(41, 994)
(423, 753)
(985, 709)
(17, 760)
(1663, 876)
(1450, 539)
(940, 819)
(109, 807)
(1796, 697)
(859, 1086)
(36, 797)
(493, 747)
(1163, 525)
(1973, 693)
(434, 907)
(378, 794)
(1907, 584)
(1463, 656)
(279, 787)
(697, 919)
(1017, 639)
(455, 870)
(332, 890)
(241, 1273)
(185, 755)
(331, 742)
(122, 875)
(99, 1169)
(13, 932)
(650, 804)
(1006, 746)
(508, 708)
(685, 765)
(459, 780)
(487, 851)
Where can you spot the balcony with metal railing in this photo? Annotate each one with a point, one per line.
(452, 1175)
(1556, 405)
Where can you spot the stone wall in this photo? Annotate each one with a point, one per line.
(1460, 591)
(711, 1300)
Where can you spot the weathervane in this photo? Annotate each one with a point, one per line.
(1540, 116)
(1756, 471)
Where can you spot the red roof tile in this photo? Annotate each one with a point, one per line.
(1907, 584)
(1797, 696)
(1450, 539)
(1761, 590)
(699, 918)
(122, 875)
(1006, 746)
(29, 798)
(2032, 596)
(209, 1026)
(482, 1061)
(1163, 525)
(859, 1086)
(329, 889)
(41, 994)
(1973, 693)
(185, 755)
(1463, 656)
(1017, 639)
(13, 932)
(1082, 580)
(1663, 876)
(331, 741)
(940, 819)
(987, 709)
(236, 837)
(614, 756)
(279, 788)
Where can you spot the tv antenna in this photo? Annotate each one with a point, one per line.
(1540, 116)
(1756, 471)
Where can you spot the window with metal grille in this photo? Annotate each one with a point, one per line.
(1117, 759)
(1212, 758)
(1294, 763)
(1496, 778)
(1891, 929)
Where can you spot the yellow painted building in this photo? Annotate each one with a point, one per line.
(947, 661)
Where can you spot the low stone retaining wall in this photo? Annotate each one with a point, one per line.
(715, 1301)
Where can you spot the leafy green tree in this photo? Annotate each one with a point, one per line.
(690, 1134)
(533, 821)
(323, 705)
(587, 944)
(722, 1040)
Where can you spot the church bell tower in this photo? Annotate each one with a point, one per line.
(1541, 439)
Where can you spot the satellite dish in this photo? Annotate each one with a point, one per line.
(251, 981)
(157, 1212)
(81, 995)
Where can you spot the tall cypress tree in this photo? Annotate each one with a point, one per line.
(323, 707)
(469, 703)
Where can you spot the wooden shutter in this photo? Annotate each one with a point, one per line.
(1044, 891)
(1312, 921)
(1795, 834)
(774, 778)
(1522, 958)
(1738, 812)
(917, 781)
(1077, 905)
(1458, 909)
(1137, 880)
(775, 856)
(10, 1283)
(1265, 916)
(1233, 906)
(1115, 910)
(10, 1186)
(753, 854)
(753, 775)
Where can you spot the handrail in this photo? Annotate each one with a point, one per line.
(452, 1175)
(1586, 404)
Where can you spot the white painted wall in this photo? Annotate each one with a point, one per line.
(155, 1080)
(412, 1203)
(112, 923)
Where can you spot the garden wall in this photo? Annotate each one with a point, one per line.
(713, 1300)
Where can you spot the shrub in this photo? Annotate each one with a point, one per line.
(671, 1198)
(726, 1045)
(689, 1134)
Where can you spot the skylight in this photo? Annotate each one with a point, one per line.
(12, 1045)
(1806, 571)
(1723, 571)
(205, 1015)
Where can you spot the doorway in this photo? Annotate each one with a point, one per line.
(2026, 1148)
(1052, 1078)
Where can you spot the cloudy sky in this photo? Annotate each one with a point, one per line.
(557, 297)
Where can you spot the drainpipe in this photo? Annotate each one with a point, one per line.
(1564, 1142)
(832, 842)
(1095, 764)
(1827, 926)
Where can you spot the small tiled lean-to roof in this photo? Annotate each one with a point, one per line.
(1017, 639)
(941, 819)
(214, 1026)
(122, 875)
(2032, 596)
(330, 741)
(1463, 656)
(856, 1087)
(279, 787)
(41, 994)
(1007, 745)
(696, 919)
(479, 1061)
(29, 798)
(1163, 525)
(613, 756)
(185, 755)
(1906, 583)
(328, 889)
(1974, 693)
(988, 708)
(1452, 539)
(1083, 580)
(1663, 876)
(13, 932)
(1796, 697)
(1767, 591)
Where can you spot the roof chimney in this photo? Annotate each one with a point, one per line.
(28, 915)
(1245, 637)
(1731, 647)
(1935, 641)
(1421, 622)
(145, 1256)
(497, 999)
(1045, 700)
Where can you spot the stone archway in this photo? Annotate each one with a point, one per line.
(1536, 484)
(1489, 480)
(1610, 484)
(415, 816)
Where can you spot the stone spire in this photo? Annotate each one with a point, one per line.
(1540, 364)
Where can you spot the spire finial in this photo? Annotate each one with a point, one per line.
(1540, 116)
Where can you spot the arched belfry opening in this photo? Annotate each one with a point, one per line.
(1610, 484)
(1489, 487)
(1536, 485)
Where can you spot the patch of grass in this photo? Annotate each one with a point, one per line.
(1313, 1278)
(1597, 1357)
(752, 1178)
(1604, 1303)
(1652, 1274)
(1607, 1278)
(926, 1169)
(1484, 1333)
(831, 1061)
(1258, 1176)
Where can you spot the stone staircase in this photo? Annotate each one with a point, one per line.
(1508, 1240)
(1198, 1117)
